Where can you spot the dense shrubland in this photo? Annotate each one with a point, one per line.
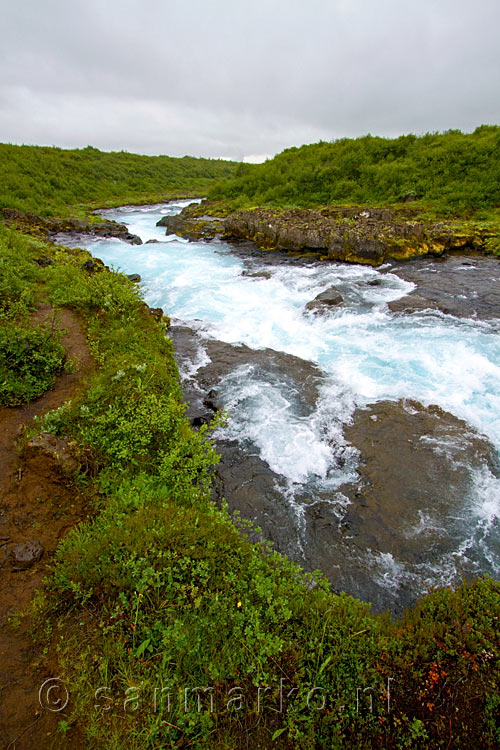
(449, 174)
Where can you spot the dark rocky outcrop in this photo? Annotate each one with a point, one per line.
(415, 473)
(356, 235)
(412, 303)
(49, 227)
(197, 221)
(205, 228)
(134, 277)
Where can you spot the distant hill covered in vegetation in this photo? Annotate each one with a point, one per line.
(450, 173)
(55, 181)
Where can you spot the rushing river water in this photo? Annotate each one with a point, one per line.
(291, 417)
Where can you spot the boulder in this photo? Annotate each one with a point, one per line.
(25, 554)
(210, 400)
(329, 298)
(412, 303)
(135, 277)
(59, 450)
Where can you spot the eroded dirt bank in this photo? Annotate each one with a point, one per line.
(39, 504)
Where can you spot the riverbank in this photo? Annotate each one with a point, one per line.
(162, 592)
(353, 234)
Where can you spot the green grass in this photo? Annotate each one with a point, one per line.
(31, 356)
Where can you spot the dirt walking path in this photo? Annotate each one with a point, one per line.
(38, 504)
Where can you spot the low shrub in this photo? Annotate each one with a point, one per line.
(30, 360)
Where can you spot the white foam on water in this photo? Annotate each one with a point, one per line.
(141, 220)
(486, 505)
(425, 526)
(189, 366)
(389, 573)
(262, 411)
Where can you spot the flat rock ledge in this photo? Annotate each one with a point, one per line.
(49, 227)
(353, 234)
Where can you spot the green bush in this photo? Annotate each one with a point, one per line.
(20, 275)
(30, 360)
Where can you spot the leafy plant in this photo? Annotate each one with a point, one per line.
(30, 359)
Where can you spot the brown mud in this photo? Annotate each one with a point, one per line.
(39, 503)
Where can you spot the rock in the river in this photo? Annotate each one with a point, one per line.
(135, 277)
(191, 227)
(352, 234)
(257, 274)
(465, 286)
(412, 303)
(25, 554)
(328, 298)
(416, 472)
(210, 400)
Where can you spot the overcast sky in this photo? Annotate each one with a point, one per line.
(238, 78)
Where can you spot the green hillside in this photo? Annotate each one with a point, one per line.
(55, 181)
(448, 173)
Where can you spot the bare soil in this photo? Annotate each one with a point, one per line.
(38, 502)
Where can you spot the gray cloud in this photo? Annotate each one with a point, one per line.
(231, 78)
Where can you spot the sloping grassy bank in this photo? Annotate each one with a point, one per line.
(52, 181)
(172, 629)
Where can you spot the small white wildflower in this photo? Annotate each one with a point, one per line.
(118, 375)
(140, 368)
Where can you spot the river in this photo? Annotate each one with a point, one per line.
(362, 441)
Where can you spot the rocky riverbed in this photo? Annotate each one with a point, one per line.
(363, 432)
